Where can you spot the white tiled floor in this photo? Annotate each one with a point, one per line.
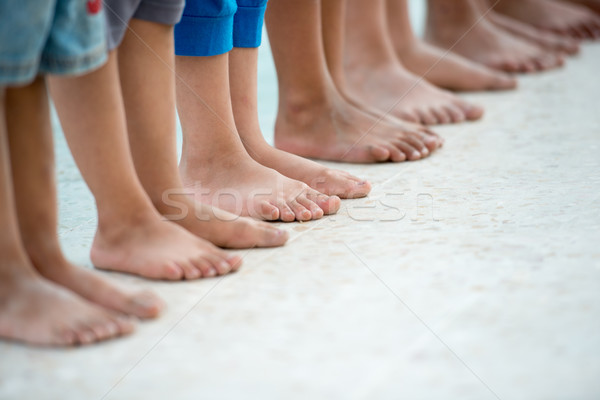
(482, 283)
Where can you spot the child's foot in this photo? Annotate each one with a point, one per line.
(218, 226)
(236, 183)
(561, 17)
(393, 89)
(489, 45)
(450, 71)
(337, 130)
(157, 249)
(591, 4)
(329, 181)
(546, 39)
(37, 311)
(95, 288)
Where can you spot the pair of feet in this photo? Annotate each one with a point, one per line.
(514, 39)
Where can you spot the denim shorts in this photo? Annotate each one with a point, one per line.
(119, 12)
(63, 37)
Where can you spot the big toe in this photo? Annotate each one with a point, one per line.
(270, 236)
(329, 204)
(144, 304)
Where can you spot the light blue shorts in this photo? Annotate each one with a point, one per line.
(63, 37)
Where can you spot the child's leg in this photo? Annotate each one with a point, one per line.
(443, 69)
(30, 137)
(146, 68)
(375, 73)
(243, 62)
(314, 119)
(131, 235)
(242, 76)
(213, 154)
(33, 309)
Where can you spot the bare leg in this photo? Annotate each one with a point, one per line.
(443, 69)
(564, 18)
(33, 176)
(131, 235)
(146, 68)
(314, 119)
(414, 135)
(33, 309)
(242, 77)
(462, 26)
(215, 158)
(376, 74)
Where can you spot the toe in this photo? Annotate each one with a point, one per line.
(379, 153)
(412, 154)
(329, 204)
(285, 212)
(172, 271)
(269, 236)
(264, 210)
(441, 115)
(300, 212)
(472, 112)
(190, 270)
(144, 304)
(311, 206)
(427, 118)
(396, 154)
(455, 113)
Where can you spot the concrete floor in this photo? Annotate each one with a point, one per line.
(474, 274)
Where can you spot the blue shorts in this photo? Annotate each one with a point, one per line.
(63, 37)
(119, 12)
(211, 27)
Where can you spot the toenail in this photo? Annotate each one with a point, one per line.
(211, 272)
(224, 265)
(416, 154)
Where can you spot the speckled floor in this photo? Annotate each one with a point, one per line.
(472, 275)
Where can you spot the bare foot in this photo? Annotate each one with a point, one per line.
(36, 311)
(449, 70)
(546, 39)
(482, 41)
(93, 287)
(591, 4)
(237, 183)
(329, 181)
(338, 131)
(219, 227)
(157, 249)
(561, 17)
(393, 89)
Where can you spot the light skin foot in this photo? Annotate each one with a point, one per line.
(146, 63)
(441, 68)
(591, 4)
(214, 163)
(39, 312)
(242, 75)
(546, 39)
(316, 118)
(375, 74)
(564, 18)
(459, 25)
(131, 237)
(158, 250)
(33, 310)
(30, 136)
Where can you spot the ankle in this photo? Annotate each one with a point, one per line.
(303, 110)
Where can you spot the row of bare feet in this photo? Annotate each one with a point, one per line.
(64, 304)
